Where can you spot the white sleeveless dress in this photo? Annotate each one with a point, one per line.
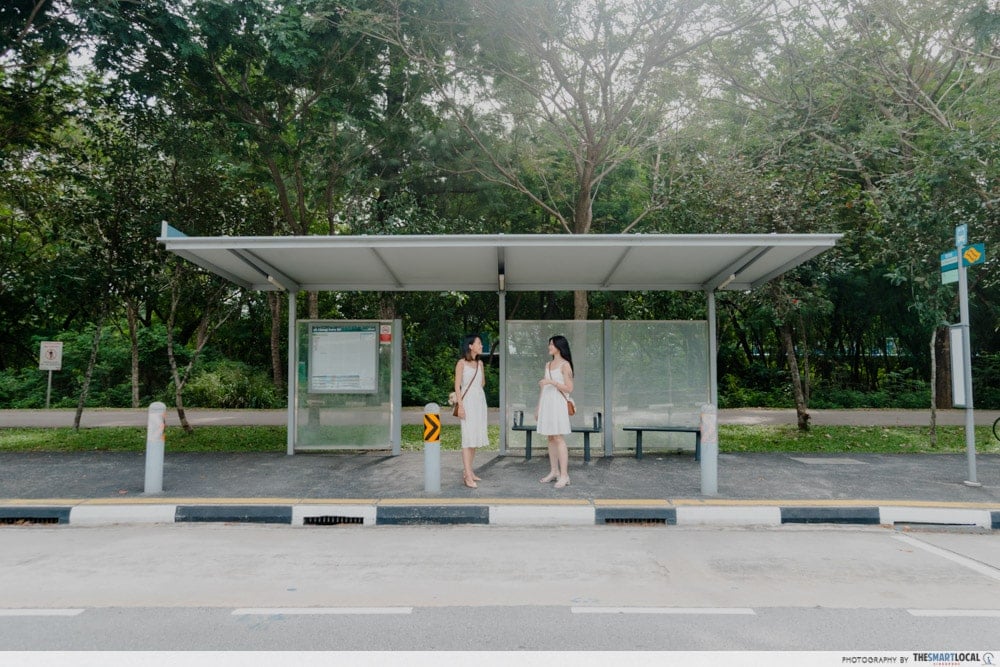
(474, 425)
(553, 414)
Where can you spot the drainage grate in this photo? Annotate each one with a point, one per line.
(333, 520)
(27, 520)
(635, 522)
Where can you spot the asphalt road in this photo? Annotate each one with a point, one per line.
(224, 588)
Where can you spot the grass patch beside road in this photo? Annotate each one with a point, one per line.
(852, 439)
(732, 439)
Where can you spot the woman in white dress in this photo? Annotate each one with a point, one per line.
(469, 382)
(553, 411)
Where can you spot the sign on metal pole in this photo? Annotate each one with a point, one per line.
(50, 359)
(974, 254)
(953, 269)
(50, 356)
(949, 267)
(957, 350)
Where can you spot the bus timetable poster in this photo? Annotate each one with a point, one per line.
(343, 358)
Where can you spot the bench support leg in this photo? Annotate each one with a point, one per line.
(638, 444)
(697, 446)
(586, 447)
(527, 445)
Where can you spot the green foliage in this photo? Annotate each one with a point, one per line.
(240, 439)
(229, 385)
(851, 439)
(986, 381)
(429, 379)
(733, 393)
(310, 116)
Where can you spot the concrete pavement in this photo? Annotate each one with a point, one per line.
(374, 488)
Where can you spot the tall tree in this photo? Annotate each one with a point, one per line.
(577, 88)
(308, 103)
(36, 39)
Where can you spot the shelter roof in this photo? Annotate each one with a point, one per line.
(523, 262)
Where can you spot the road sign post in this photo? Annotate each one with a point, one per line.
(964, 256)
(432, 448)
(50, 359)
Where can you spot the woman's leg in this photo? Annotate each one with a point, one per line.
(468, 477)
(563, 452)
(553, 461)
(468, 453)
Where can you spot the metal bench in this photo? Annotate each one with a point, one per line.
(529, 429)
(668, 429)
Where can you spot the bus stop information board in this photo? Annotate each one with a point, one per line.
(343, 359)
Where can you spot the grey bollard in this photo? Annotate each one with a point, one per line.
(432, 448)
(709, 451)
(156, 425)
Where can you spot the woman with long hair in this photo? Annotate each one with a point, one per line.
(553, 409)
(471, 399)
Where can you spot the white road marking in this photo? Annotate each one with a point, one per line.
(969, 563)
(320, 611)
(41, 612)
(722, 611)
(970, 613)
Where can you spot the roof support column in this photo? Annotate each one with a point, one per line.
(713, 363)
(293, 350)
(396, 390)
(608, 422)
(710, 445)
(503, 371)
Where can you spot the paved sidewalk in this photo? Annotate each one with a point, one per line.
(376, 488)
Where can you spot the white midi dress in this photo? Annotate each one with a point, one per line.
(474, 424)
(553, 414)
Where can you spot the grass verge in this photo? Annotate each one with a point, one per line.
(732, 439)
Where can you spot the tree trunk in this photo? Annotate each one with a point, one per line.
(133, 335)
(801, 409)
(277, 369)
(805, 363)
(206, 327)
(94, 346)
(581, 308)
(313, 298)
(942, 368)
(933, 431)
(179, 382)
(179, 403)
(387, 306)
(583, 217)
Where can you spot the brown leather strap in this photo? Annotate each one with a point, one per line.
(474, 376)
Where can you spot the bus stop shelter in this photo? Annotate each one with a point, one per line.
(500, 263)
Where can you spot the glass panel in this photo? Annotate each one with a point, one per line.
(527, 353)
(339, 406)
(659, 377)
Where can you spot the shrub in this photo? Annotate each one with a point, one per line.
(228, 385)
